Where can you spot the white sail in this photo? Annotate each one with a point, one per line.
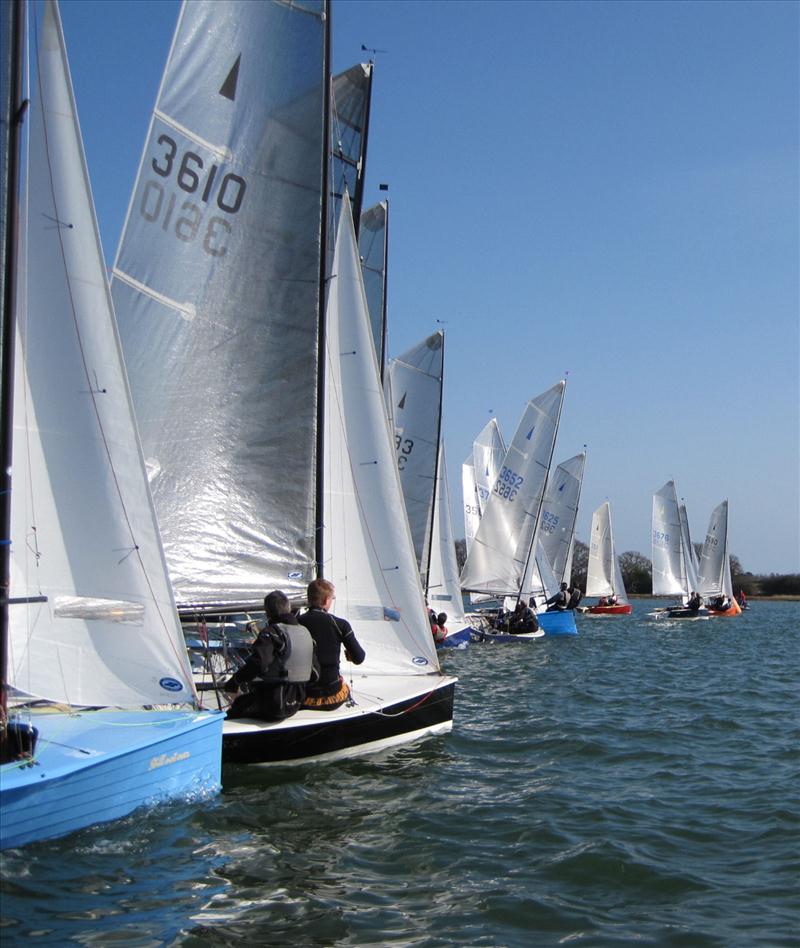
(500, 552)
(488, 452)
(603, 576)
(715, 572)
(559, 513)
(689, 552)
(216, 287)
(669, 562)
(368, 553)
(444, 588)
(84, 534)
(416, 387)
(472, 510)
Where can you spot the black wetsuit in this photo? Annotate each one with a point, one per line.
(269, 700)
(330, 633)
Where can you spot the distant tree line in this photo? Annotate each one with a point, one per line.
(637, 573)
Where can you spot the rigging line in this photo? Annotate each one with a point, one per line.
(80, 343)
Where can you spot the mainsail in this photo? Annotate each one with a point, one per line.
(715, 571)
(217, 291)
(690, 565)
(603, 576)
(93, 621)
(416, 409)
(502, 547)
(472, 510)
(350, 106)
(670, 576)
(560, 512)
(368, 553)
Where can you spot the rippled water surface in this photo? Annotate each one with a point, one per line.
(638, 783)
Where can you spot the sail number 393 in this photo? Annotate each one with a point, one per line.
(187, 219)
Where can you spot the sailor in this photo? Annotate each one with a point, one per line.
(523, 620)
(278, 669)
(559, 601)
(440, 633)
(575, 596)
(695, 601)
(330, 633)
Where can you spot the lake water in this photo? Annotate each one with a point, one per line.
(638, 783)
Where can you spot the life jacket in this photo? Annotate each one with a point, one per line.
(293, 655)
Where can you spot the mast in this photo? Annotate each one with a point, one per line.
(14, 107)
(535, 535)
(382, 358)
(323, 283)
(435, 478)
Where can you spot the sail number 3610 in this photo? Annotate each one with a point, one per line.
(226, 191)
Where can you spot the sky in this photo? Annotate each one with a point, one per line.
(603, 189)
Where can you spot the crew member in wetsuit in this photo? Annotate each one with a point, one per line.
(278, 668)
(695, 602)
(330, 633)
(559, 601)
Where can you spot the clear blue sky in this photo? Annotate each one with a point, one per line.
(605, 188)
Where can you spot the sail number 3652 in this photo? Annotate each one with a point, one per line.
(508, 483)
(211, 187)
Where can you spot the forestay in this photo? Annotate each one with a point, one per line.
(416, 386)
(500, 551)
(216, 286)
(444, 588)
(603, 575)
(368, 553)
(84, 533)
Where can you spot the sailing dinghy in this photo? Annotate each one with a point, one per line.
(673, 563)
(504, 548)
(714, 573)
(414, 394)
(95, 643)
(603, 578)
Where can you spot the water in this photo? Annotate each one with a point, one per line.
(639, 783)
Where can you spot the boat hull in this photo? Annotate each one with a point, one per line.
(499, 637)
(90, 767)
(621, 609)
(734, 610)
(407, 710)
(458, 639)
(560, 622)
